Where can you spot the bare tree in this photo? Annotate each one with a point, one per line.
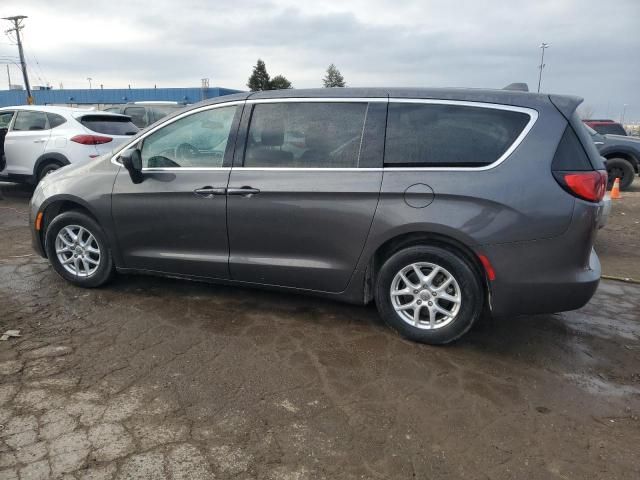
(585, 111)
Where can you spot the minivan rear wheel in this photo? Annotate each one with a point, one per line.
(428, 294)
(77, 249)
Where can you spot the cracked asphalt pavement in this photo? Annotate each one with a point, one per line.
(158, 378)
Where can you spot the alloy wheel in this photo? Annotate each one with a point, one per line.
(77, 250)
(425, 296)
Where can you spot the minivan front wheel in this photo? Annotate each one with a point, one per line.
(78, 250)
(428, 294)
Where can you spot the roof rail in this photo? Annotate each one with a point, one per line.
(520, 87)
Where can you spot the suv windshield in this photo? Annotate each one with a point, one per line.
(109, 124)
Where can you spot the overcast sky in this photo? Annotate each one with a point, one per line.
(594, 53)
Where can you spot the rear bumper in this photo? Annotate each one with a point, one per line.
(549, 290)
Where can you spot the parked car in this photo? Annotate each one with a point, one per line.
(435, 203)
(622, 154)
(604, 126)
(144, 114)
(37, 140)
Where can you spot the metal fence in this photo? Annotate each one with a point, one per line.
(111, 96)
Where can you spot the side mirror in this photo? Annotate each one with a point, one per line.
(132, 161)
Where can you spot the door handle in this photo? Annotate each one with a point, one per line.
(209, 192)
(244, 191)
(39, 141)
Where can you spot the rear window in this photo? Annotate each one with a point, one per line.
(109, 124)
(609, 128)
(434, 135)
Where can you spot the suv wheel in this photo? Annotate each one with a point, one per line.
(47, 169)
(428, 294)
(78, 251)
(622, 169)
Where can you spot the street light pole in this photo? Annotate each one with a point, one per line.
(624, 111)
(89, 78)
(543, 46)
(17, 26)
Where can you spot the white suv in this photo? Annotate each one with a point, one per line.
(35, 140)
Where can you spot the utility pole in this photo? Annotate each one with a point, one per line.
(17, 26)
(543, 46)
(8, 76)
(624, 111)
(89, 78)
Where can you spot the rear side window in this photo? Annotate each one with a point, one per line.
(610, 128)
(570, 155)
(160, 111)
(30, 121)
(433, 135)
(305, 135)
(55, 120)
(138, 116)
(109, 124)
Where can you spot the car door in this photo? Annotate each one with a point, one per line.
(303, 191)
(175, 220)
(25, 141)
(5, 120)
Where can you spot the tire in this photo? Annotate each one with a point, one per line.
(89, 274)
(620, 168)
(47, 169)
(466, 287)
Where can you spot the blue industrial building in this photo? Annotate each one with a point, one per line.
(111, 96)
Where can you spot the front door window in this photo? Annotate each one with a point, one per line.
(196, 141)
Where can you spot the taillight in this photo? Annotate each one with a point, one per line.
(590, 186)
(91, 139)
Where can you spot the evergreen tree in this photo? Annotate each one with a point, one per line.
(279, 82)
(259, 79)
(333, 78)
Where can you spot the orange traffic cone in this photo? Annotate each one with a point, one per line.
(615, 191)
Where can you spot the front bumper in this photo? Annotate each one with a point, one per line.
(37, 237)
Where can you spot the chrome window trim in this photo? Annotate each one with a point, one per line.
(309, 169)
(168, 122)
(320, 100)
(533, 117)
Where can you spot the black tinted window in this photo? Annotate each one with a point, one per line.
(55, 120)
(610, 128)
(27, 120)
(160, 111)
(449, 135)
(109, 124)
(138, 115)
(318, 135)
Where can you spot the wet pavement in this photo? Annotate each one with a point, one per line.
(158, 378)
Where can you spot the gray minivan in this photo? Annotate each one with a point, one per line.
(438, 204)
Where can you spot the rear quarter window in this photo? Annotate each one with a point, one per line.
(109, 124)
(55, 120)
(443, 135)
